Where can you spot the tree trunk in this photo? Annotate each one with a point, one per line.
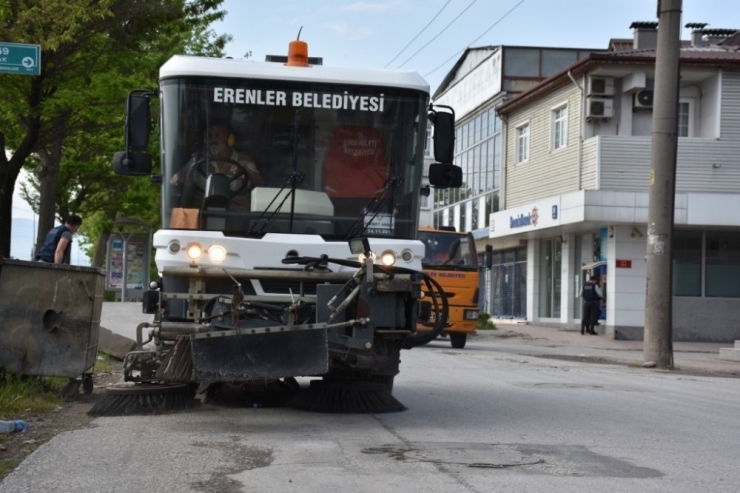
(101, 246)
(47, 173)
(48, 169)
(9, 171)
(8, 176)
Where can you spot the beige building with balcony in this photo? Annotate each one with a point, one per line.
(575, 184)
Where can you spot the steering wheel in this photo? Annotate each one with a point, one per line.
(199, 171)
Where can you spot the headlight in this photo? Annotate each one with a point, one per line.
(173, 246)
(217, 254)
(388, 258)
(194, 251)
(407, 255)
(362, 257)
(471, 314)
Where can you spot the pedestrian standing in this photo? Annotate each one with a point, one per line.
(591, 306)
(57, 246)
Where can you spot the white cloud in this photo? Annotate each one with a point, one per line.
(339, 28)
(343, 30)
(375, 8)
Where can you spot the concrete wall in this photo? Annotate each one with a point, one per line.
(697, 320)
(706, 319)
(626, 286)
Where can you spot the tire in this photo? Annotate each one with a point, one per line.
(458, 339)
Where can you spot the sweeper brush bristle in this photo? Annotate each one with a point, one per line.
(143, 399)
(346, 397)
(177, 364)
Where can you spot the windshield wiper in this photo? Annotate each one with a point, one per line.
(388, 192)
(294, 180)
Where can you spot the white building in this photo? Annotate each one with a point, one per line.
(481, 79)
(574, 190)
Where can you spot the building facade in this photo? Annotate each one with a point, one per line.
(574, 191)
(481, 80)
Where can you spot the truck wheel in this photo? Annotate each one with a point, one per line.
(457, 339)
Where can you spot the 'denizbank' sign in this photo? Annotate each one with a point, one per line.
(538, 215)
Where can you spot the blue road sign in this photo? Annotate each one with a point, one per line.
(20, 58)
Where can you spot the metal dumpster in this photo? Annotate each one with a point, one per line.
(49, 318)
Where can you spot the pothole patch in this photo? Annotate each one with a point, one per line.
(475, 455)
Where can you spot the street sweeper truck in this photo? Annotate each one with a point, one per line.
(288, 247)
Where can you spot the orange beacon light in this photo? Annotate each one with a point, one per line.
(297, 52)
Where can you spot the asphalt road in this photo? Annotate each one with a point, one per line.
(480, 419)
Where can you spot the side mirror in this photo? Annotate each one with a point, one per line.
(132, 163)
(444, 134)
(138, 120)
(445, 175)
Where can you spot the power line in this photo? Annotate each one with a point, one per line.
(476, 39)
(419, 34)
(438, 34)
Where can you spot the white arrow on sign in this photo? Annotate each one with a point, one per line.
(27, 62)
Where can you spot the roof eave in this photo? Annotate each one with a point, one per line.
(560, 78)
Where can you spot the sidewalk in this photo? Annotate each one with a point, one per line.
(689, 357)
(533, 340)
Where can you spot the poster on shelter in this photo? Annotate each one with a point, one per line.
(135, 260)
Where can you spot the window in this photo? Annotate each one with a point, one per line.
(711, 258)
(722, 264)
(684, 119)
(687, 263)
(522, 143)
(560, 127)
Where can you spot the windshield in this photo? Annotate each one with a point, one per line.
(448, 250)
(248, 156)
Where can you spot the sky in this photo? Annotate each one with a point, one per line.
(426, 36)
(23, 234)
(372, 33)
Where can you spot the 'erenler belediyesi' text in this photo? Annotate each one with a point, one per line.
(344, 101)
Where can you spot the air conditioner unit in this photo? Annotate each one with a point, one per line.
(643, 100)
(599, 108)
(601, 86)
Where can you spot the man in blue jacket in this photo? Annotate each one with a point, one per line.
(57, 246)
(591, 306)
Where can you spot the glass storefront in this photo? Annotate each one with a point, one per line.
(550, 262)
(509, 284)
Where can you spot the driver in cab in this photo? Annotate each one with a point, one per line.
(221, 158)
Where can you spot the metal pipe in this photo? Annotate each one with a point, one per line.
(183, 327)
(580, 129)
(290, 275)
(139, 337)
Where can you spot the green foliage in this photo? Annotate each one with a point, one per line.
(19, 393)
(484, 322)
(105, 363)
(93, 53)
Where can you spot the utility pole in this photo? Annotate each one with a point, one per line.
(658, 344)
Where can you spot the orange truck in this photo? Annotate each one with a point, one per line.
(450, 258)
